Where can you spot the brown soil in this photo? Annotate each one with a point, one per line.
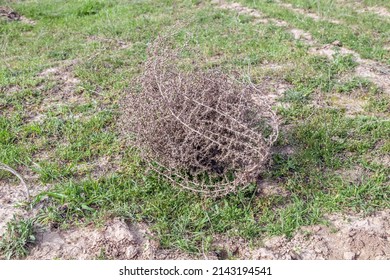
(351, 104)
(240, 9)
(65, 82)
(62, 91)
(311, 15)
(13, 194)
(299, 34)
(10, 15)
(348, 237)
(9, 196)
(115, 240)
(380, 11)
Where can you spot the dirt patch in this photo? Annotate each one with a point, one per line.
(115, 240)
(354, 175)
(348, 237)
(330, 50)
(59, 87)
(10, 15)
(362, 8)
(64, 78)
(380, 11)
(239, 8)
(100, 167)
(10, 195)
(383, 159)
(271, 187)
(299, 34)
(374, 71)
(309, 14)
(242, 10)
(350, 104)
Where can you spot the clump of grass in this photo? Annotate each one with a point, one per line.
(15, 242)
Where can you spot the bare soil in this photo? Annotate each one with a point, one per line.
(9, 196)
(11, 15)
(311, 15)
(347, 237)
(380, 11)
(115, 240)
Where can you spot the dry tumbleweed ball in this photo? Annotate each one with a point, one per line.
(200, 128)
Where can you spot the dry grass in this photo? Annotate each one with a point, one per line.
(200, 128)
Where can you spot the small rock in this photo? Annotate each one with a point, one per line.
(349, 256)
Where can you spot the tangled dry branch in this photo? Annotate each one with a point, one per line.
(202, 129)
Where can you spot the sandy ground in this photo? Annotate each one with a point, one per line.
(349, 236)
(10, 196)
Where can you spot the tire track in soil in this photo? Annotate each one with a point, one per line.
(378, 10)
(376, 72)
(309, 14)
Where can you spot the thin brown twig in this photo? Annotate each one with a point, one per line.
(9, 169)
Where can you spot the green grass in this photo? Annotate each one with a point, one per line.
(18, 238)
(367, 34)
(75, 131)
